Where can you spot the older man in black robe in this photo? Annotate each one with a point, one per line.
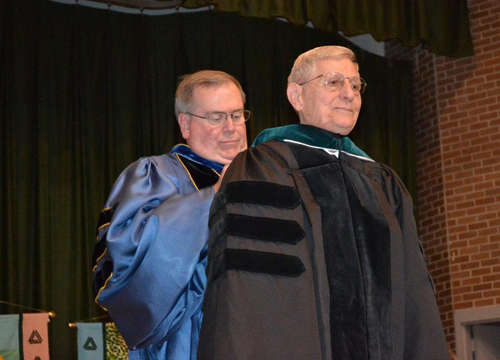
(314, 252)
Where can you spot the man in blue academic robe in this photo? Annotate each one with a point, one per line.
(150, 258)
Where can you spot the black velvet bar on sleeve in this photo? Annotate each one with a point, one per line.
(257, 262)
(261, 228)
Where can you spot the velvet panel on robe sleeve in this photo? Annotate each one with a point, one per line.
(150, 273)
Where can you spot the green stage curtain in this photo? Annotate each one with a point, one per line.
(84, 92)
(441, 26)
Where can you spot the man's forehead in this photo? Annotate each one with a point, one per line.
(214, 87)
(338, 65)
(207, 88)
(214, 97)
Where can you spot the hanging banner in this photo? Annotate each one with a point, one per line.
(9, 337)
(36, 336)
(91, 345)
(116, 348)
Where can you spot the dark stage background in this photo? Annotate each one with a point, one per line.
(84, 92)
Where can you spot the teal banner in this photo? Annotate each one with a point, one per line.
(91, 345)
(9, 337)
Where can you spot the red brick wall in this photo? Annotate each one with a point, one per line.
(457, 104)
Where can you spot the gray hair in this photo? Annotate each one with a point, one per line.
(303, 68)
(204, 78)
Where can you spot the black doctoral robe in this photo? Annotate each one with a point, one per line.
(316, 256)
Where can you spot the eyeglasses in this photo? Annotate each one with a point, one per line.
(219, 118)
(334, 81)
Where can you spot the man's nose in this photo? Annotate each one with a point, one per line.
(346, 92)
(229, 124)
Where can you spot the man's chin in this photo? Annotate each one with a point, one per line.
(342, 128)
(224, 161)
(226, 158)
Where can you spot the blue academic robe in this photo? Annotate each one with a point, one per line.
(151, 254)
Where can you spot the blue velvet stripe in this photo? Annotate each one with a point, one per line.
(184, 151)
(311, 136)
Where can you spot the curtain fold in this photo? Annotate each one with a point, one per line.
(442, 27)
(84, 92)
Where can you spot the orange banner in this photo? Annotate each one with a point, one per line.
(36, 336)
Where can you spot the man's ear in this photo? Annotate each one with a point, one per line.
(294, 94)
(184, 123)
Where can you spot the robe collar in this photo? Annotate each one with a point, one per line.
(186, 152)
(311, 136)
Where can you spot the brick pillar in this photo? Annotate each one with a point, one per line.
(457, 114)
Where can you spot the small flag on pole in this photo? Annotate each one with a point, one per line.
(36, 336)
(9, 337)
(91, 345)
(116, 348)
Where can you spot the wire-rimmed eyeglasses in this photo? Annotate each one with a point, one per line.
(334, 81)
(219, 118)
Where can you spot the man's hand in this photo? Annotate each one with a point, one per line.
(217, 184)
